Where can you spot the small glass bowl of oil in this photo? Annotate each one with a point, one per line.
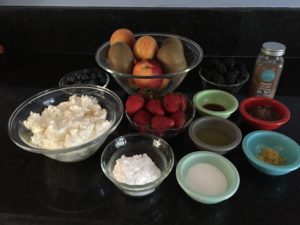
(215, 134)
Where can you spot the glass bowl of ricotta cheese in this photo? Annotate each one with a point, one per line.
(137, 163)
(67, 124)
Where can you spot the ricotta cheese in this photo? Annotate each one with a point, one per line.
(69, 124)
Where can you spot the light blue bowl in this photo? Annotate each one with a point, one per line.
(255, 141)
(223, 164)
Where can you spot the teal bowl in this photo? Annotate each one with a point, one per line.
(221, 163)
(255, 141)
(222, 104)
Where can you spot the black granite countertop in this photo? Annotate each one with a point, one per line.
(35, 189)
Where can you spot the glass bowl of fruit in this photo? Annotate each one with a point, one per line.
(163, 116)
(227, 74)
(148, 60)
(92, 76)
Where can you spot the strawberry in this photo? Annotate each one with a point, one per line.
(171, 102)
(179, 118)
(155, 107)
(142, 118)
(161, 123)
(134, 103)
(183, 103)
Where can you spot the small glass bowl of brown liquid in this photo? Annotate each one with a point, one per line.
(215, 103)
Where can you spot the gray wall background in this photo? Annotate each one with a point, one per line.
(155, 3)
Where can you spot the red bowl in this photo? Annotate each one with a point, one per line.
(279, 108)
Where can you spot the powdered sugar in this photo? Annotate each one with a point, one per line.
(136, 170)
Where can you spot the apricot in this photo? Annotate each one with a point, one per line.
(145, 48)
(122, 35)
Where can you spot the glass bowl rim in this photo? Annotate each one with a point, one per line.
(40, 150)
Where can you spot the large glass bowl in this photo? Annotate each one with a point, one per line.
(21, 136)
(156, 148)
(192, 51)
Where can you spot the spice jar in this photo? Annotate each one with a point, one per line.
(267, 71)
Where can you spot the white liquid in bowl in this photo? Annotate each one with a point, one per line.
(206, 179)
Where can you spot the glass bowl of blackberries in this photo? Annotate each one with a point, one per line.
(92, 76)
(226, 74)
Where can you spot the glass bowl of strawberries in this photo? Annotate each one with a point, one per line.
(163, 116)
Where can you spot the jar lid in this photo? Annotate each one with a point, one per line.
(273, 48)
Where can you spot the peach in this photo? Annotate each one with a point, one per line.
(147, 68)
(145, 48)
(2, 49)
(122, 35)
(165, 82)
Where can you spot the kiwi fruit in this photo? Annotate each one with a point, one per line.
(171, 55)
(175, 42)
(121, 57)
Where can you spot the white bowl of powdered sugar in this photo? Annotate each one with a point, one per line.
(137, 163)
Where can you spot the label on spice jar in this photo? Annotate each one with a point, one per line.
(268, 75)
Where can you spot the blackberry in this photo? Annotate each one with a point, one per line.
(86, 71)
(229, 62)
(241, 78)
(84, 77)
(77, 75)
(211, 74)
(70, 79)
(231, 77)
(219, 79)
(221, 68)
(243, 72)
(235, 71)
(243, 75)
(240, 65)
(215, 62)
(93, 76)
